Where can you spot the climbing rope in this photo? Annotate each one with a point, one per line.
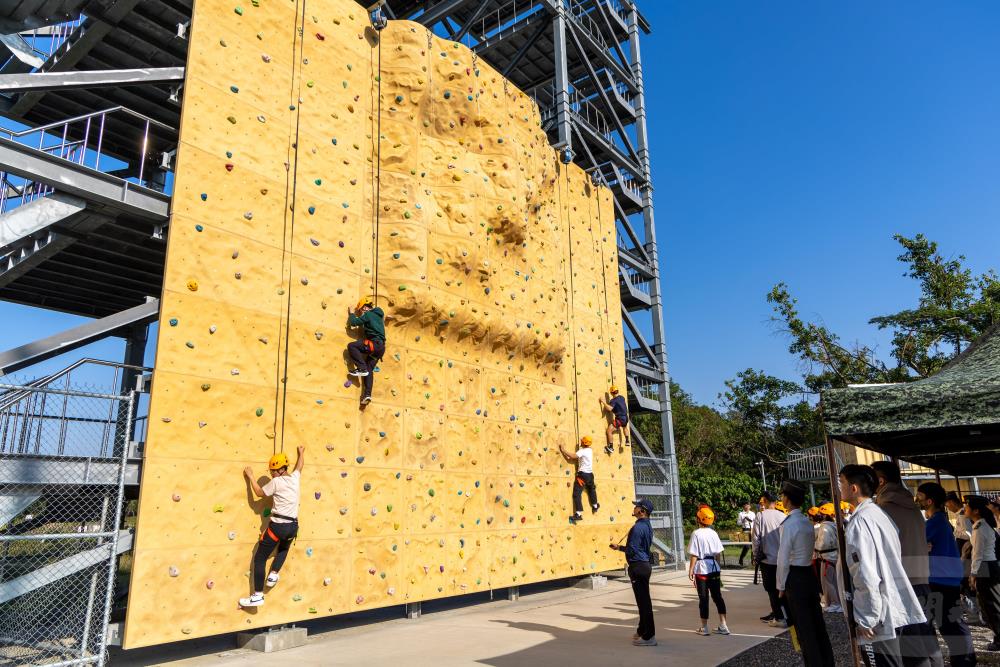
(377, 172)
(606, 320)
(569, 303)
(288, 234)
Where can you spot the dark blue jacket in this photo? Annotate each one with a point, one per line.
(620, 408)
(640, 539)
(945, 561)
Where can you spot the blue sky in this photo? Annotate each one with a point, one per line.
(789, 142)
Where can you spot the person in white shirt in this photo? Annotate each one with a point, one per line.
(282, 524)
(745, 522)
(765, 538)
(796, 580)
(953, 503)
(704, 569)
(883, 597)
(584, 458)
(985, 577)
(826, 552)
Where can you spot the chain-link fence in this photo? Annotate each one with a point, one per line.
(653, 480)
(63, 455)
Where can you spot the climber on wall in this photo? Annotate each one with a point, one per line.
(283, 522)
(618, 408)
(584, 477)
(366, 353)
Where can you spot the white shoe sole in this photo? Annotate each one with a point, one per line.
(247, 602)
(358, 374)
(269, 583)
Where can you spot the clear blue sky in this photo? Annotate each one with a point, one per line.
(790, 141)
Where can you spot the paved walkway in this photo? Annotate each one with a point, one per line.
(557, 627)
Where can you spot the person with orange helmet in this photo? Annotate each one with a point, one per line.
(617, 408)
(368, 351)
(704, 548)
(584, 458)
(282, 524)
(826, 554)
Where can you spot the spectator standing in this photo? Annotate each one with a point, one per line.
(945, 576)
(796, 580)
(745, 521)
(985, 579)
(954, 504)
(765, 539)
(918, 642)
(637, 546)
(826, 553)
(704, 570)
(883, 597)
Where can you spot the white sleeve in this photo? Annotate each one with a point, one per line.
(862, 560)
(784, 557)
(268, 488)
(977, 549)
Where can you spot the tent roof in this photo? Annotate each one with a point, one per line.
(949, 421)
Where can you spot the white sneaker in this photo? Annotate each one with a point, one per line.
(778, 623)
(703, 631)
(358, 374)
(272, 579)
(644, 642)
(255, 600)
(722, 630)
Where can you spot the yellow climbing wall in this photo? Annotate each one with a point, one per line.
(496, 266)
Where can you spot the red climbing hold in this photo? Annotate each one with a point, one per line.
(229, 166)
(320, 36)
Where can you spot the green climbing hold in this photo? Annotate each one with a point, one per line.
(402, 288)
(234, 89)
(395, 255)
(447, 94)
(260, 412)
(439, 261)
(430, 492)
(173, 321)
(407, 215)
(231, 119)
(239, 11)
(318, 181)
(399, 98)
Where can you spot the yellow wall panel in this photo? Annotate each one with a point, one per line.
(496, 267)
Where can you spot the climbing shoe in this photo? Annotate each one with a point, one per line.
(573, 518)
(365, 400)
(255, 600)
(609, 449)
(272, 579)
(358, 373)
(596, 507)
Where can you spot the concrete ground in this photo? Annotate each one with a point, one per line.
(554, 627)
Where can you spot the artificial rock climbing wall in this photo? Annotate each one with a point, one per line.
(496, 266)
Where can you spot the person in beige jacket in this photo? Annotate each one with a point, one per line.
(918, 642)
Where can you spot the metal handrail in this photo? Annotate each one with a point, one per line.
(21, 391)
(92, 114)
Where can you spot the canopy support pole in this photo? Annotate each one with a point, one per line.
(852, 628)
(937, 476)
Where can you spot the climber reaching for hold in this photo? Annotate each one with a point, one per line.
(366, 353)
(584, 458)
(283, 524)
(618, 408)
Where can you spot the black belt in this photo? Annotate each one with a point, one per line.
(275, 515)
(825, 551)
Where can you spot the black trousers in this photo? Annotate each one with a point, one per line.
(365, 358)
(746, 547)
(918, 645)
(769, 577)
(944, 608)
(988, 595)
(882, 654)
(802, 600)
(709, 584)
(280, 535)
(584, 480)
(639, 573)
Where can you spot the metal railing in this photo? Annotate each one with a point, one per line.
(46, 41)
(78, 140)
(810, 464)
(60, 527)
(653, 479)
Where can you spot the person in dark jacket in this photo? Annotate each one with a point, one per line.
(637, 554)
(368, 351)
(617, 407)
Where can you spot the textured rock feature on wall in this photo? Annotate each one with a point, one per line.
(497, 269)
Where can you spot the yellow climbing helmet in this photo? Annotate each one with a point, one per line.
(365, 301)
(812, 511)
(586, 441)
(780, 506)
(278, 461)
(705, 515)
(826, 509)
(613, 389)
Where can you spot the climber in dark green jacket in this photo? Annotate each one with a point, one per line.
(366, 353)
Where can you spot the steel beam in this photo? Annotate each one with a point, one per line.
(532, 40)
(82, 181)
(61, 569)
(27, 472)
(20, 357)
(48, 81)
(483, 4)
(562, 117)
(439, 12)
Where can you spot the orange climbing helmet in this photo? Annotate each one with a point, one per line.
(826, 509)
(365, 301)
(812, 511)
(780, 506)
(705, 515)
(613, 389)
(586, 441)
(278, 461)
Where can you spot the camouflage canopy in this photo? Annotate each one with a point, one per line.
(949, 421)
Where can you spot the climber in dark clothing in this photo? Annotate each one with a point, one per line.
(618, 408)
(366, 353)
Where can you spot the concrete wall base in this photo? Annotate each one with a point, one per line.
(592, 583)
(273, 639)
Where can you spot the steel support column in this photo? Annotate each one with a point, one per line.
(563, 127)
